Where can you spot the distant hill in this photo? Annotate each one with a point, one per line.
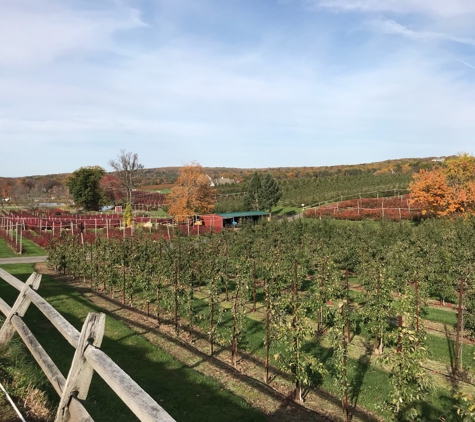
(159, 177)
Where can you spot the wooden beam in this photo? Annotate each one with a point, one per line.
(62, 325)
(136, 399)
(51, 371)
(19, 308)
(80, 374)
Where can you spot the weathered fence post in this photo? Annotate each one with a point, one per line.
(19, 308)
(80, 373)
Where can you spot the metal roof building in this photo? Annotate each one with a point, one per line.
(231, 219)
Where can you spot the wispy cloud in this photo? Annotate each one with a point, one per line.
(441, 8)
(388, 26)
(466, 64)
(34, 33)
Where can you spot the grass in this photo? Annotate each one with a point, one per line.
(31, 249)
(164, 191)
(22, 379)
(5, 250)
(440, 315)
(286, 211)
(442, 350)
(179, 389)
(158, 213)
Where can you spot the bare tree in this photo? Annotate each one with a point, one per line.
(28, 194)
(126, 166)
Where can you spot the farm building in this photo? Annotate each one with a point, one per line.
(231, 218)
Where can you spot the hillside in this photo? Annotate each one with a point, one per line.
(168, 175)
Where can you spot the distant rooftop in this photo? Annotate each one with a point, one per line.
(224, 181)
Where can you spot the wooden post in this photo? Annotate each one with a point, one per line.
(345, 353)
(268, 305)
(19, 308)
(80, 374)
(348, 304)
(175, 296)
(457, 337)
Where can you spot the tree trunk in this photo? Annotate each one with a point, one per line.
(459, 326)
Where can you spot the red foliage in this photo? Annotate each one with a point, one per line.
(393, 209)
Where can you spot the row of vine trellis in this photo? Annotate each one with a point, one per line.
(297, 275)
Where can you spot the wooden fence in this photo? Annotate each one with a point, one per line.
(87, 358)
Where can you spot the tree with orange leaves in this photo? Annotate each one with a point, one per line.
(192, 193)
(5, 190)
(446, 191)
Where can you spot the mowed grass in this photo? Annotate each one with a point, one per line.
(31, 249)
(5, 250)
(285, 211)
(440, 315)
(186, 394)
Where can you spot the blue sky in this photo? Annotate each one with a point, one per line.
(248, 83)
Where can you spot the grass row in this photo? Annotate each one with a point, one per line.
(31, 249)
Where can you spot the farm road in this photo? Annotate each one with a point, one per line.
(23, 260)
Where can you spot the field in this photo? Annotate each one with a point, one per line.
(364, 320)
(207, 288)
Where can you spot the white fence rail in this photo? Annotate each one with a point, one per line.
(88, 358)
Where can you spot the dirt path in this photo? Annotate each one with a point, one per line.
(23, 260)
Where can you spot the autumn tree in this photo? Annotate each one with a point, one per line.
(192, 193)
(84, 186)
(446, 191)
(5, 191)
(111, 186)
(127, 167)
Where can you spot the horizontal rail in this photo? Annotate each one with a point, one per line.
(137, 400)
(62, 325)
(55, 377)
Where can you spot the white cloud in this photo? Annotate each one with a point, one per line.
(391, 27)
(37, 32)
(440, 8)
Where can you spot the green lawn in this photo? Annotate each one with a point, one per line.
(183, 392)
(285, 211)
(5, 250)
(31, 249)
(440, 315)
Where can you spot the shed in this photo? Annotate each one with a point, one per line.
(212, 220)
(231, 219)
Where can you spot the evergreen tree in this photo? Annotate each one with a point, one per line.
(252, 200)
(271, 192)
(263, 192)
(84, 186)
